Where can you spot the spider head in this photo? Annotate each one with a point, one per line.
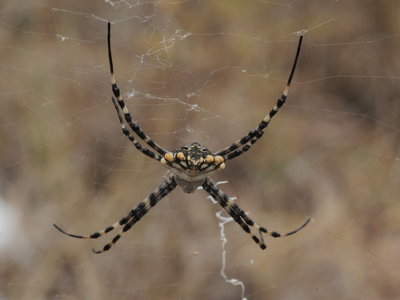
(193, 162)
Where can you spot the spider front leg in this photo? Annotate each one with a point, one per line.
(244, 144)
(127, 116)
(127, 133)
(240, 217)
(133, 217)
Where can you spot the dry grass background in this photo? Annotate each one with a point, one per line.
(332, 153)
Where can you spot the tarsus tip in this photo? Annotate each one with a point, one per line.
(59, 228)
(96, 251)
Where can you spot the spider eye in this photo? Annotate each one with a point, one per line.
(222, 166)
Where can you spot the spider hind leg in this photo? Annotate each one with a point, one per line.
(134, 216)
(96, 234)
(240, 217)
(141, 209)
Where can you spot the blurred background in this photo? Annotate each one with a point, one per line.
(205, 71)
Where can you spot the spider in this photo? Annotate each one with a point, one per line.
(190, 167)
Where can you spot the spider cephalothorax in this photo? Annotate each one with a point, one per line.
(190, 165)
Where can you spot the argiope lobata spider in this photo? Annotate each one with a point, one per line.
(190, 167)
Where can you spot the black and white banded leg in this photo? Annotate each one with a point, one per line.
(128, 134)
(240, 217)
(244, 144)
(134, 215)
(127, 116)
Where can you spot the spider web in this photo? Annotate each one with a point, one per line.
(204, 71)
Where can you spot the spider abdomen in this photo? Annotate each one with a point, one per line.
(191, 165)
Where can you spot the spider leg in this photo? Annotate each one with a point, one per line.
(97, 234)
(134, 215)
(137, 213)
(244, 144)
(128, 118)
(127, 133)
(233, 210)
(240, 217)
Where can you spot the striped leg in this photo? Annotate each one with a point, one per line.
(164, 189)
(240, 217)
(134, 215)
(128, 118)
(127, 133)
(244, 144)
